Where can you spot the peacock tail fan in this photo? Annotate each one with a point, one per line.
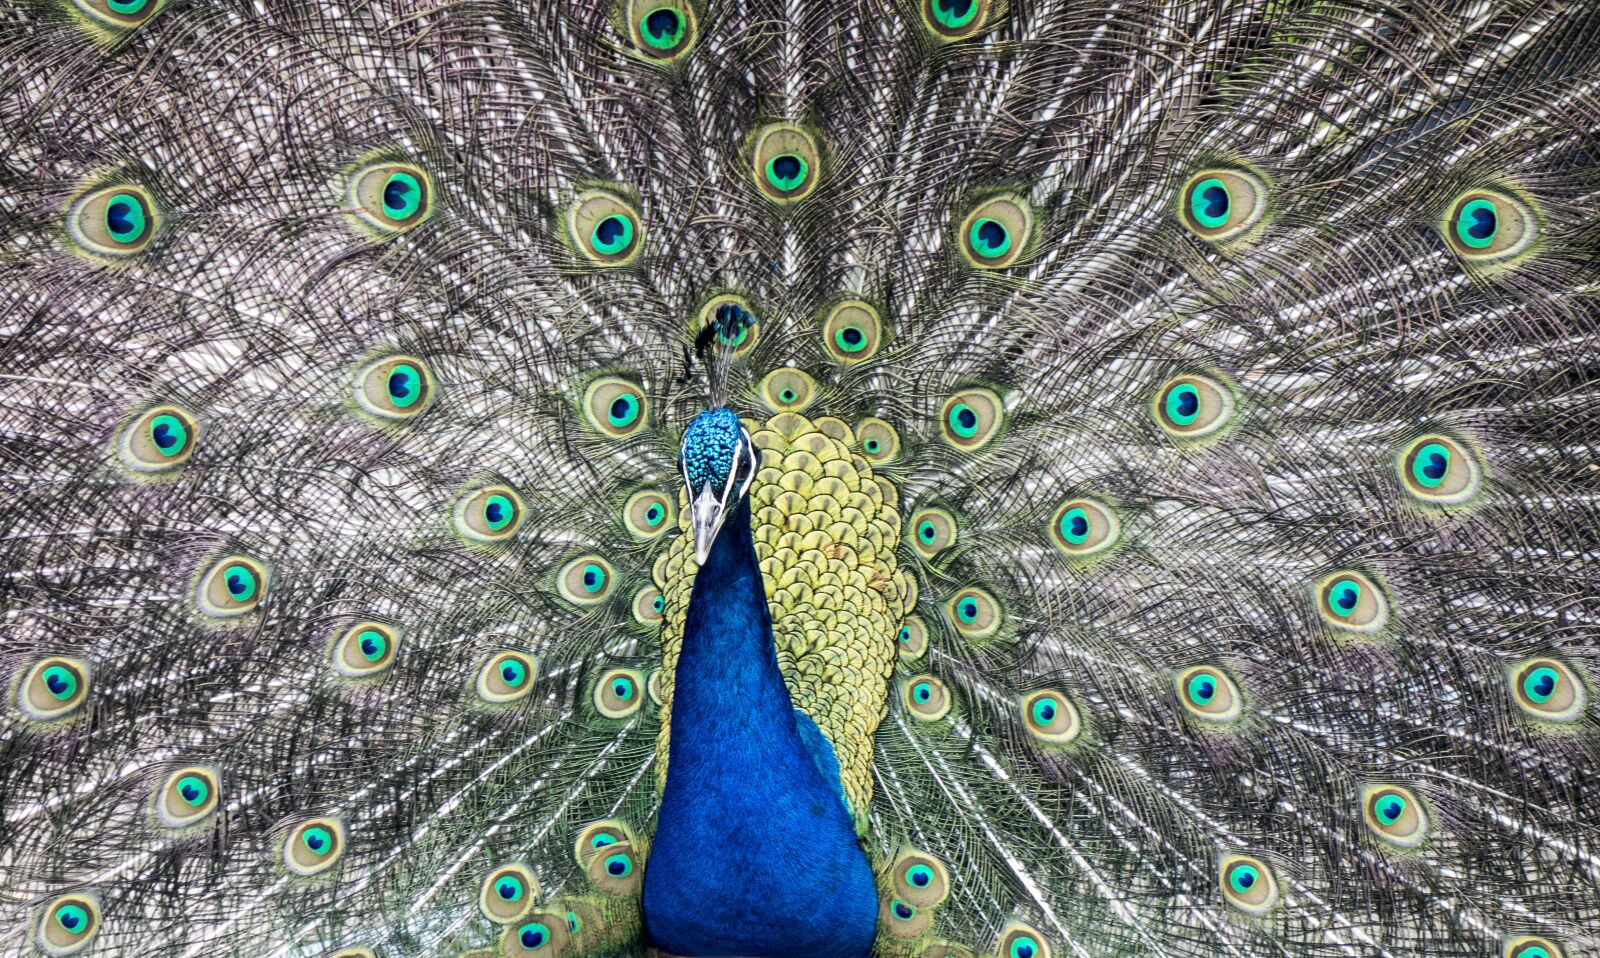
(1177, 496)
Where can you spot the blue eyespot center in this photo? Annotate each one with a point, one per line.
(1541, 684)
(397, 196)
(533, 935)
(923, 692)
(903, 911)
(508, 889)
(619, 866)
(60, 682)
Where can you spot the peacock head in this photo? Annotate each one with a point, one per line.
(716, 459)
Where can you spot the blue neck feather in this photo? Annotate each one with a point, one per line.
(755, 854)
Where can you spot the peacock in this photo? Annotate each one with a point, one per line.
(790, 479)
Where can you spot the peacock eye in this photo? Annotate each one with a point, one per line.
(364, 650)
(231, 587)
(186, 797)
(954, 19)
(53, 688)
(616, 694)
(1351, 602)
(506, 676)
(648, 606)
(1248, 884)
(913, 638)
(118, 15)
(586, 580)
(878, 440)
(508, 894)
(1209, 694)
(533, 935)
(931, 531)
(661, 30)
(1083, 527)
(314, 846)
(1192, 406)
(648, 513)
(605, 228)
(1020, 941)
(615, 407)
(974, 613)
(1050, 716)
(787, 162)
(1394, 815)
(115, 221)
(919, 879)
(787, 390)
(1437, 469)
(1546, 688)
(612, 870)
(926, 698)
(1222, 204)
(1532, 947)
(394, 388)
(729, 322)
(995, 233)
(68, 924)
(390, 197)
(852, 332)
(970, 418)
(489, 514)
(1487, 226)
(599, 835)
(158, 440)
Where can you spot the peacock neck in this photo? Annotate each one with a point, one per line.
(728, 657)
(755, 853)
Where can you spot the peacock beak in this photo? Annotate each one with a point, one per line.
(706, 513)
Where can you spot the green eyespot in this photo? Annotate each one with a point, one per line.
(738, 341)
(536, 933)
(1080, 528)
(390, 197)
(1248, 884)
(1548, 689)
(912, 638)
(1050, 717)
(113, 222)
(926, 698)
(508, 894)
(1189, 407)
(1219, 205)
(53, 688)
(787, 390)
(955, 19)
(788, 162)
(661, 30)
(395, 388)
(231, 587)
(1018, 940)
(974, 613)
(586, 581)
(365, 649)
(613, 871)
(1528, 946)
(898, 918)
(648, 514)
(649, 606)
(605, 228)
(878, 441)
(68, 924)
(852, 332)
(919, 879)
(1485, 226)
(615, 407)
(1439, 470)
(488, 514)
(158, 440)
(1208, 694)
(1394, 815)
(619, 693)
(930, 531)
(1351, 602)
(597, 836)
(187, 797)
(970, 418)
(314, 846)
(996, 232)
(506, 677)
